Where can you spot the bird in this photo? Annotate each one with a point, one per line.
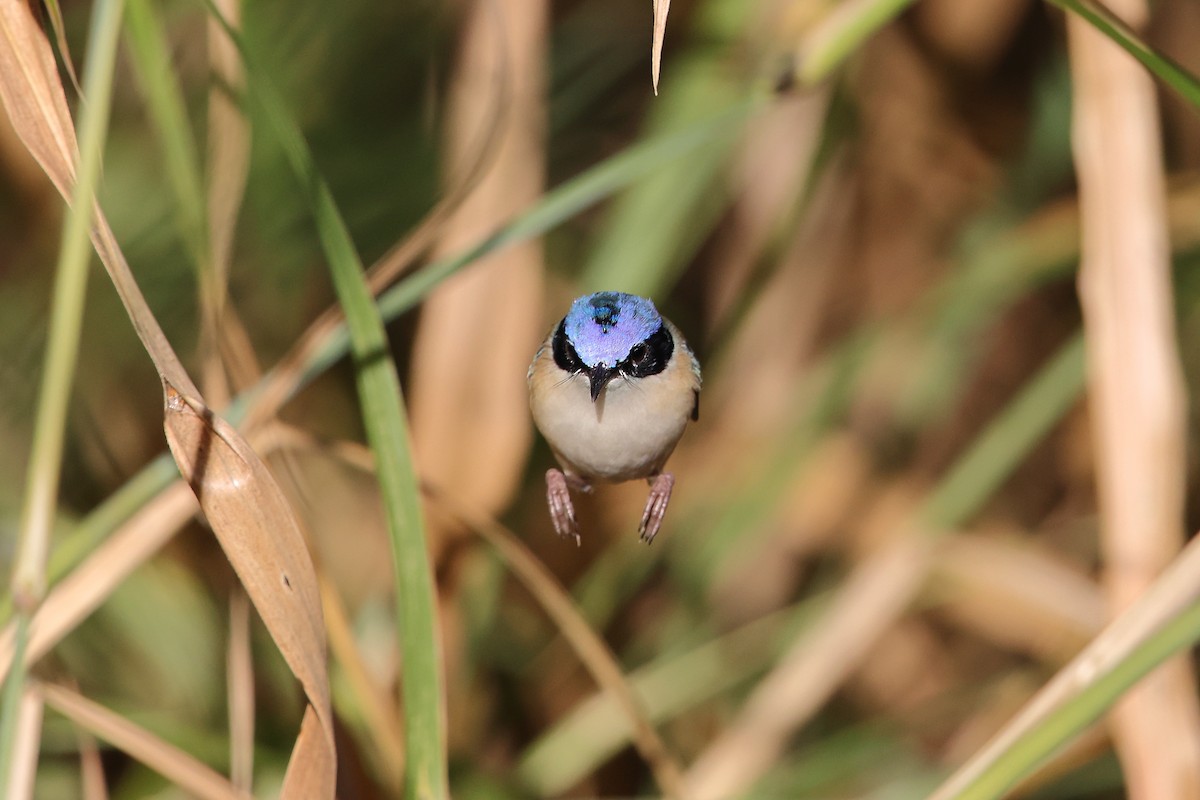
(611, 389)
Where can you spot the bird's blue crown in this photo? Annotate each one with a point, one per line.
(604, 327)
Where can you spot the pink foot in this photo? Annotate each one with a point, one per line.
(562, 512)
(656, 506)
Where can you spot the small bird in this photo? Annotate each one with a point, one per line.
(612, 388)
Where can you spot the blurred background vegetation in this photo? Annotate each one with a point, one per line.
(876, 273)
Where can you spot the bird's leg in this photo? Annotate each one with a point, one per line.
(558, 498)
(656, 505)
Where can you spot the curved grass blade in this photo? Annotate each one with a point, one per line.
(387, 432)
(258, 532)
(590, 648)
(164, 102)
(1116, 29)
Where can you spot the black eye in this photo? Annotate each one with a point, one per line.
(651, 356)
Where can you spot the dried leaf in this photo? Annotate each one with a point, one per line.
(32, 94)
(245, 506)
(261, 537)
(661, 8)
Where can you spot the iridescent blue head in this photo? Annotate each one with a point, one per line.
(611, 333)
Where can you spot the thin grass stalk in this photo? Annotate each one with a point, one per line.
(591, 649)
(55, 16)
(62, 349)
(239, 669)
(13, 691)
(165, 103)
(151, 61)
(1135, 382)
(29, 742)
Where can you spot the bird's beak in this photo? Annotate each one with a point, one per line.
(600, 375)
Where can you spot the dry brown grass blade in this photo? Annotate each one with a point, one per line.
(239, 669)
(874, 595)
(261, 537)
(228, 139)
(54, 12)
(91, 768)
(377, 706)
(228, 343)
(661, 9)
(451, 429)
(177, 766)
(1135, 384)
(33, 96)
(80, 593)
(1023, 599)
(22, 779)
(590, 648)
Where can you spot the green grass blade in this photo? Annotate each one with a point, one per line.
(843, 32)
(1112, 26)
(1076, 713)
(387, 432)
(62, 348)
(386, 425)
(164, 98)
(1007, 440)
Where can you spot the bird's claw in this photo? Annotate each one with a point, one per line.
(656, 506)
(562, 511)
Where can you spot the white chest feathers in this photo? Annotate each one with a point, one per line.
(631, 429)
